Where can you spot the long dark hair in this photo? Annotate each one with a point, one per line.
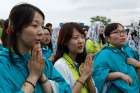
(4, 36)
(20, 17)
(65, 34)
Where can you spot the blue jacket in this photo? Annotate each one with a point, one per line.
(14, 73)
(111, 59)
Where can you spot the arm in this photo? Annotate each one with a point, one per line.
(85, 76)
(103, 67)
(59, 83)
(133, 62)
(119, 75)
(90, 82)
(114, 75)
(7, 83)
(28, 87)
(46, 84)
(78, 85)
(91, 85)
(35, 67)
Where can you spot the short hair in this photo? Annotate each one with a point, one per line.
(111, 27)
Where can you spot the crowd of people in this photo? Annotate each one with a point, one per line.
(35, 58)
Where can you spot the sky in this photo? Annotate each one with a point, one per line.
(56, 11)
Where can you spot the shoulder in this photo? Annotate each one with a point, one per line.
(61, 62)
(89, 41)
(104, 52)
(4, 51)
(4, 55)
(103, 57)
(130, 52)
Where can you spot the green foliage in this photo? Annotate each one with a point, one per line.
(103, 19)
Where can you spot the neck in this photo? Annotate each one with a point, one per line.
(72, 56)
(21, 47)
(115, 46)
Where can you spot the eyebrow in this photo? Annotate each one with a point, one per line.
(75, 35)
(36, 21)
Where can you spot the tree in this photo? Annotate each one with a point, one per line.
(103, 19)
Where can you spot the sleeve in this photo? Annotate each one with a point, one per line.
(131, 53)
(94, 85)
(61, 68)
(90, 46)
(55, 76)
(100, 73)
(6, 84)
(103, 65)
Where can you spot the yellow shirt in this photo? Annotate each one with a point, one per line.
(92, 46)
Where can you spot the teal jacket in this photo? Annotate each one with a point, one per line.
(111, 59)
(14, 73)
(47, 52)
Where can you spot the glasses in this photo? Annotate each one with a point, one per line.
(119, 33)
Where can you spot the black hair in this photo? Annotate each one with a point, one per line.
(50, 44)
(48, 24)
(20, 16)
(110, 28)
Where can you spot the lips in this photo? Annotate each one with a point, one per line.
(81, 47)
(122, 40)
(37, 41)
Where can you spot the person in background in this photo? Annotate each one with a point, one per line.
(96, 38)
(49, 26)
(1, 30)
(46, 43)
(5, 33)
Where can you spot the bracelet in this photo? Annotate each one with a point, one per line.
(80, 82)
(30, 83)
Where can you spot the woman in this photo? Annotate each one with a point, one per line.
(111, 73)
(24, 69)
(46, 43)
(50, 27)
(95, 39)
(70, 57)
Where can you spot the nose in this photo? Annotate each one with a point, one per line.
(40, 28)
(122, 34)
(39, 34)
(81, 40)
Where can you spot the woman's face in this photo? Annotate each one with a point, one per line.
(118, 37)
(46, 38)
(76, 43)
(32, 33)
(101, 30)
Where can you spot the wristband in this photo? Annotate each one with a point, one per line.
(30, 83)
(80, 82)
